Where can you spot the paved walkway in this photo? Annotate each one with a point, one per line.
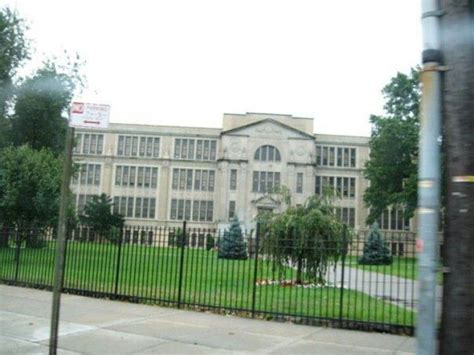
(97, 326)
(397, 290)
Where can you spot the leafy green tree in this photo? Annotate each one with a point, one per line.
(232, 245)
(308, 237)
(375, 249)
(14, 51)
(40, 106)
(29, 187)
(392, 167)
(99, 216)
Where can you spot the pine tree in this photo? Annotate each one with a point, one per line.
(233, 245)
(375, 250)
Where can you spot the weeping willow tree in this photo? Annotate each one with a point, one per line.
(308, 238)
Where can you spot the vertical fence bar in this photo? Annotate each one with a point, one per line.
(182, 243)
(341, 292)
(254, 292)
(17, 256)
(119, 257)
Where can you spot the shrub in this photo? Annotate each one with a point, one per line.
(375, 250)
(232, 245)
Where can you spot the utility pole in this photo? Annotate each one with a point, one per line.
(457, 319)
(61, 243)
(429, 180)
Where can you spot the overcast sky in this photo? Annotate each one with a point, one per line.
(185, 63)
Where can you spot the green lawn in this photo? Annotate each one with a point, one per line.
(153, 272)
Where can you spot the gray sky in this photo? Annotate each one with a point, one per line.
(185, 63)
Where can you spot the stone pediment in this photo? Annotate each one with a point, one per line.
(268, 128)
(266, 202)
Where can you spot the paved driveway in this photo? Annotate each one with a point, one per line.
(397, 290)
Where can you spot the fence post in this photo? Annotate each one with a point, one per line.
(182, 243)
(117, 269)
(17, 255)
(343, 259)
(254, 291)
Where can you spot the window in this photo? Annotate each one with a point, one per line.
(139, 176)
(267, 153)
(80, 202)
(336, 156)
(138, 146)
(265, 181)
(394, 219)
(231, 209)
(346, 215)
(196, 210)
(332, 156)
(186, 179)
(87, 174)
(299, 183)
(87, 143)
(195, 149)
(344, 186)
(233, 180)
(398, 249)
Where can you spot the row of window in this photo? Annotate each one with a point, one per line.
(87, 143)
(336, 156)
(138, 146)
(135, 207)
(197, 179)
(394, 219)
(344, 186)
(195, 149)
(265, 181)
(139, 176)
(346, 215)
(196, 210)
(87, 174)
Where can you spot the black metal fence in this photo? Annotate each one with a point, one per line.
(182, 267)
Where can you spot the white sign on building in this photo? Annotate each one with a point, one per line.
(87, 115)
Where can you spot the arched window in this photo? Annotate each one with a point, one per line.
(267, 153)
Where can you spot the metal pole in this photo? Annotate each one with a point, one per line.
(117, 270)
(61, 243)
(343, 260)
(429, 179)
(255, 270)
(182, 243)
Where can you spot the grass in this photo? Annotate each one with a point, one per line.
(154, 273)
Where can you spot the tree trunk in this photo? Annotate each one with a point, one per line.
(299, 271)
(5, 237)
(457, 324)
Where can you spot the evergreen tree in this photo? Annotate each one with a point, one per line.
(233, 245)
(98, 215)
(375, 250)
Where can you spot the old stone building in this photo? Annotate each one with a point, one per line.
(162, 175)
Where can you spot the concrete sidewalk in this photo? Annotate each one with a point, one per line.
(96, 326)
